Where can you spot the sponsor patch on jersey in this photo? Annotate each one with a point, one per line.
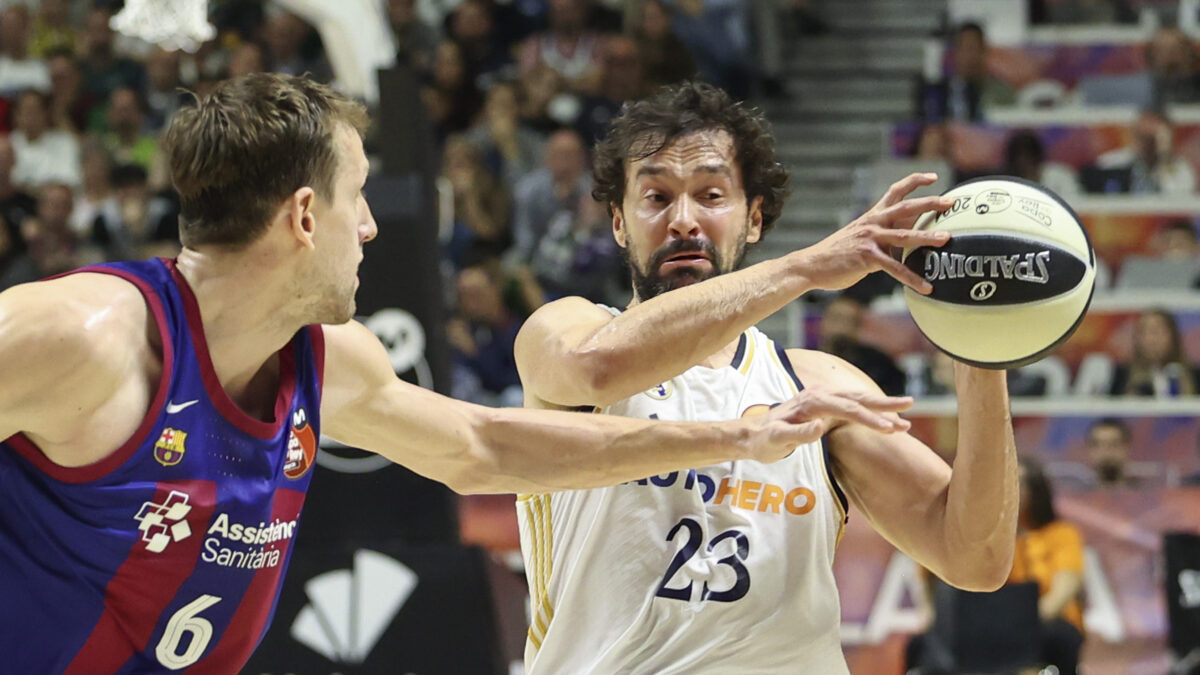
(301, 447)
(169, 447)
(161, 524)
(662, 391)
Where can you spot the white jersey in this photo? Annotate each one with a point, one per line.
(720, 569)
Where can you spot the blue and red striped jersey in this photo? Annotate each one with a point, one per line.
(169, 553)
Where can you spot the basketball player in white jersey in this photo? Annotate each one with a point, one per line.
(728, 568)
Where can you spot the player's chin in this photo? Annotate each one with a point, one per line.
(687, 277)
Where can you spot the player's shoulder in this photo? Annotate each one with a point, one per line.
(570, 307)
(71, 318)
(814, 367)
(70, 337)
(568, 315)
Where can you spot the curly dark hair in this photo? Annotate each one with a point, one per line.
(644, 127)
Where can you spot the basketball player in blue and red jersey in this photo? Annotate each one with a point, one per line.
(161, 417)
(728, 568)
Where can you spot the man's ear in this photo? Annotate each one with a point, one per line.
(756, 220)
(298, 212)
(618, 225)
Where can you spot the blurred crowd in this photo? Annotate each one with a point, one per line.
(518, 94)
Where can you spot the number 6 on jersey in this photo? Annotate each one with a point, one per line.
(183, 622)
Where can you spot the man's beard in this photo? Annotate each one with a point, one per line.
(647, 285)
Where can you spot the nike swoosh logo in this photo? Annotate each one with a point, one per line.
(173, 408)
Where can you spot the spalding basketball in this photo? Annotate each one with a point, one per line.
(1013, 282)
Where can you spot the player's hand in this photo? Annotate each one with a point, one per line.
(814, 411)
(865, 245)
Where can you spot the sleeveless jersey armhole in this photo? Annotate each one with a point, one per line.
(85, 474)
(838, 495)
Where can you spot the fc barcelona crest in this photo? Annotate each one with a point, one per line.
(169, 449)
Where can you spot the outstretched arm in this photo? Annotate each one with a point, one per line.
(487, 450)
(960, 521)
(572, 353)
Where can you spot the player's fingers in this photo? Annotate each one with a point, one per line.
(879, 402)
(897, 270)
(911, 208)
(806, 432)
(850, 410)
(912, 238)
(903, 187)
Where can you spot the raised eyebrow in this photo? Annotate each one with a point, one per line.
(647, 170)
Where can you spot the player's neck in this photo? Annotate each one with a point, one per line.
(247, 314)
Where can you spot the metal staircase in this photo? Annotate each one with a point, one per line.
(848, 87)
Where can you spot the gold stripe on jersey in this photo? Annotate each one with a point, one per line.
(787, 377)
(745, 367)
(537, 512)
(827, 471)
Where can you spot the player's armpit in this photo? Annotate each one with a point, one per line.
(65, 347)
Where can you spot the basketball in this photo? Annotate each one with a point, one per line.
(1013, 282)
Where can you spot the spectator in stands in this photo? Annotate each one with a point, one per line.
(103, 70)
(1171, 67)
(968, 90)
(51, 247)
(932, 142)
(15, 204)
(841, 326)
(568, 47)
(141, 226)
(472, 25)
(1024, 157)
(71, 107)
(718, 36)
(510, 149)
(163, 96)
(559, 185)
(577, 256)
(1177, 241)
(482, 335)
(1147, 166)
(1107, 444)
(18, 70)
(52, 31)
(126, 140)
(665, 58)
(43, 155)
(450, 95)
(1158, 365)
(288, 40)
(1048, 552)
(96, 195)
(415, 39)
(620, 81)
(1082, 12)
(481, 203)
(545, 105)
(247, 58)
